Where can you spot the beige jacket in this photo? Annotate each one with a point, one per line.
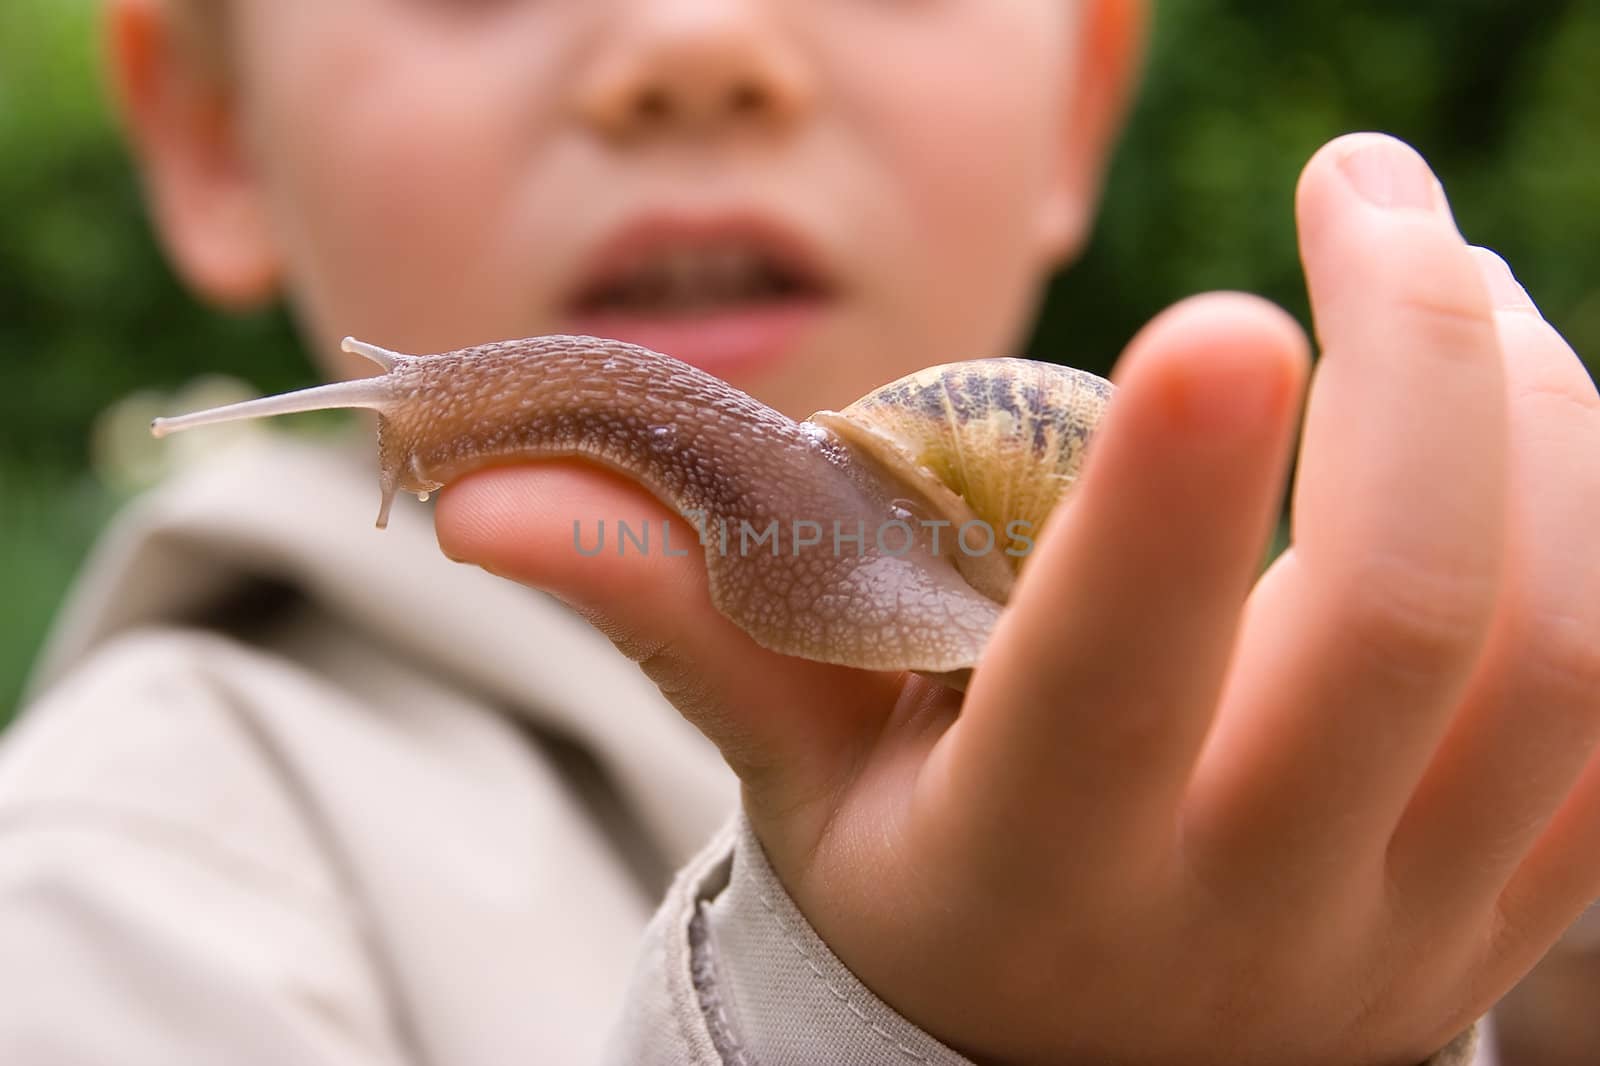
(297, 791)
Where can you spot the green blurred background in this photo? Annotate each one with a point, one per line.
(1500, 96)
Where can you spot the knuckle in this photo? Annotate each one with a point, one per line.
(1562, 396)
(1414, 616)
(1435, 293)
(1551, 609)
(1559, 655)
(1450, 325)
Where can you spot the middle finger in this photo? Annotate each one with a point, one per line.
(1359, 642)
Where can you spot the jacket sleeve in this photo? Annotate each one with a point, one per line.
(133, 935)
(731, 974)
(119, 953)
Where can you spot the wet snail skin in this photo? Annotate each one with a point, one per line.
(897, 525)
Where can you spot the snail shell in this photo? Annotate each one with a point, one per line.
(995, 442)
(883, 536)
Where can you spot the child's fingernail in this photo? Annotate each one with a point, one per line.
(1388, 173)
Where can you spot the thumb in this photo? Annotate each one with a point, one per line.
(636, 571)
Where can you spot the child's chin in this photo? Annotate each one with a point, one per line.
(732, 343)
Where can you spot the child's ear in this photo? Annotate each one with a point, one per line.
(1109, 60)
(172, 89)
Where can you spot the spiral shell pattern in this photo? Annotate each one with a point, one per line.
(1006, 435)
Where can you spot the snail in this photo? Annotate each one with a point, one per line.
(884, 536)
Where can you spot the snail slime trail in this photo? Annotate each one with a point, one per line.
(885, 536)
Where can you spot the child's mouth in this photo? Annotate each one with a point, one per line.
(726, 297)
(690, 281)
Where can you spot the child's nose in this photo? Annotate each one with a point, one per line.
(684, 65)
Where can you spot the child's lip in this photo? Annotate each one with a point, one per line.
(728, 339)
(734, 343)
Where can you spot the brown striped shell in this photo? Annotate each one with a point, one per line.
(996, 441)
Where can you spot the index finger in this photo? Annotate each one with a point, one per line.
(780, 722)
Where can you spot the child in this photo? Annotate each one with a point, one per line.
(299, 791)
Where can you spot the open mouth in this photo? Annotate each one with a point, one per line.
(688, 280)
(723, 296)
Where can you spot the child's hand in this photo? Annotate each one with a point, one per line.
(1327, 819)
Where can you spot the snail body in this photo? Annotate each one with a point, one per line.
(884, 536)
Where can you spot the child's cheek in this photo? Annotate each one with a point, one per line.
(967, 151)
(392, 158)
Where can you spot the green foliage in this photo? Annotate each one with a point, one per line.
(1239, 93)
(89, 312)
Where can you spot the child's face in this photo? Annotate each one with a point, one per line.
(807, 197)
